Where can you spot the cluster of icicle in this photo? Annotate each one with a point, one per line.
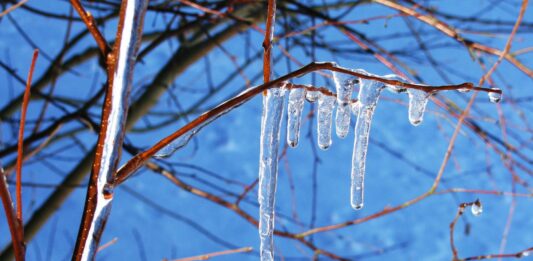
(363, 109)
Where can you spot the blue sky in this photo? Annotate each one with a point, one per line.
(229, 147)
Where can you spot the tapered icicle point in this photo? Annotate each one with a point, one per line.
(368, 97)
(324, 119)
(294, 115)
(344, 84)
(268, 168)
(417, 105)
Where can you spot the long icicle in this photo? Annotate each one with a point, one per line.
(268, 168)
(368, 98)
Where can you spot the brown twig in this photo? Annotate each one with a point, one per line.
(451, 32)
(13, 7)
(523, 253)
(507, 47)
(215, 254)
(267, 42)
(20, 148)
(15, 227)
(138, 160)
(89, 21)
(460, 212)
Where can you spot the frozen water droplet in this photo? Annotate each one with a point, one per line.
(417, 105)
(107, 191)
(477, 208)
(463, 90)
(525, 253)
(395, 88)
(344, 84)
(268, 168)
(312, 96)
(495, 97)
(324, 119)
(367, 100)
(294, 115)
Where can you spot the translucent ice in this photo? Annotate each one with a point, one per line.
(368, 97)
(326, 104)
(417, 105)
(268, 168)
(294, 113)
(344, 84)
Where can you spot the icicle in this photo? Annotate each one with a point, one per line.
(324, 118)
(268, 168)
(477, 208)
(294, 113)
(395, 88)
(417, 105)
(344, 84)
(312, 96)
(495, 97)
(368, 98)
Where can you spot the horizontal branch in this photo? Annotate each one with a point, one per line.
(138, 160)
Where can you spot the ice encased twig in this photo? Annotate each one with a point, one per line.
(294, 115)
(268, 168)
(367, 100)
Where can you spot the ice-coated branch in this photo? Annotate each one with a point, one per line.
(120, 74)
(312, 94)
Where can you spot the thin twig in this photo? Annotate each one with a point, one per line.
(13, 7)
(20, 148)
(267, 42)
(14, 225)
(89, 21)
(214, 254)
(138, 160)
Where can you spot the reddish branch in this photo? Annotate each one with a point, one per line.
(15, 227)
(451, 32)
(460, 211)
(267, 42)
(138, 160)
(20, 148)
(89, 21)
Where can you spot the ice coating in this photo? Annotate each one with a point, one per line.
(268, 168)
(324, 117)
(368, 97)
(395, 88)
(294, 115)
(115, 123)
(495, 97)
(312, 96)
(417, 105)
(344, 84)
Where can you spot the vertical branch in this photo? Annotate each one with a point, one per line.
(15, 227)
(120, 64)
(267, 43)
(20, 147)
